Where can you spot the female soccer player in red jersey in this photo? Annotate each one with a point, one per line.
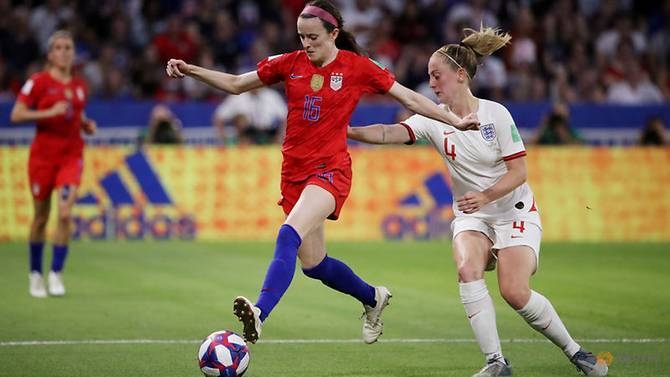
(323, 82)
(54, 99)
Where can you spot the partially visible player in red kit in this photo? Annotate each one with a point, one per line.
(54, 99)
(323, 83)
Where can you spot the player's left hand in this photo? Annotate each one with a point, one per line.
(89, 126)
(471, 202)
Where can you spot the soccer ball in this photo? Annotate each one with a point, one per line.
(223, 354)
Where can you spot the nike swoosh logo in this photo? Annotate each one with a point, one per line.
(517, 236)
(292, 76)
(448, 132)
(473, 314)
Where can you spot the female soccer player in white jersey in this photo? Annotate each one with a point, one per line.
(496, 215)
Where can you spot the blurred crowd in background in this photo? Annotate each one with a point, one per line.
(601, 51)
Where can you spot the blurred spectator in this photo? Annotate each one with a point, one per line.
(254, 117)
(176, 41)
(563, 50)
(555, 128)
(48, 17)
(164, 127)
(654, 133)
(635, 89)
(361, 18)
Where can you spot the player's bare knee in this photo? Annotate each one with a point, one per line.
(516, 296)
(40, 222)
(468, 273)
(64, 215)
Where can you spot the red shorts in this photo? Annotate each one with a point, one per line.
(45, 175)
(336, 181)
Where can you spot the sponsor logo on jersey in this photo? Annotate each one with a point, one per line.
(316, 83)
(336, 81)
(488, 131)
(424, 214)
(111, 211)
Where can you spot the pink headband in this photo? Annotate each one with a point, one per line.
(321, 13)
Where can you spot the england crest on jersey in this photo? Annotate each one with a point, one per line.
(336, 81)
(488, 131)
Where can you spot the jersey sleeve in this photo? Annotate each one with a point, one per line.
(511, 145)
(418, 128)
(377, 79)
(30, 91)
(273, 69)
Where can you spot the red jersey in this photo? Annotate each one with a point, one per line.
(320, 103)
(58, 136)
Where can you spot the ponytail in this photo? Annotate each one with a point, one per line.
(473, 47)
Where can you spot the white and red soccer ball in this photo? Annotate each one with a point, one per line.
(223, 354)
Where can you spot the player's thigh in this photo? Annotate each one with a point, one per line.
(516, 264)
(313, 248)
(471, 248)
(524, 232)
(41, 210)
(68, 179)
(311, 210)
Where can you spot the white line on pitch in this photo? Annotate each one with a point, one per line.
(305, 341)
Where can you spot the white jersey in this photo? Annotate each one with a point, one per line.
(476, 159)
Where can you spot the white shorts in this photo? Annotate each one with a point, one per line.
(523, 231)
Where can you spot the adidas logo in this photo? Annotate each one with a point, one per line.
(113, 211)
(425, 214)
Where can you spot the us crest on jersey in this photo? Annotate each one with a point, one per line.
(336, 81)
(488, 131)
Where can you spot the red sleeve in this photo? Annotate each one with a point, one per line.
(273, 69)
(514, 156)
(412, 137)
(379, 79)
(30, 91)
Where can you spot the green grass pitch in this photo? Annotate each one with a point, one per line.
(140, 309)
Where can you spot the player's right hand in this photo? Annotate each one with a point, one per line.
(59, 108)
(469, 122)
(176, 68)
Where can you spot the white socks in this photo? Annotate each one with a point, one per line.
(541, 315)
(481, 313)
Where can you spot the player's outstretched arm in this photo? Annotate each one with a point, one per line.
(379, 134)
(417, 103)
(231, 84)
(21, 113)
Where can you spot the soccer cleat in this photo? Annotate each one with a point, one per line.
(250, 316)
(588, 364)
(495, 367)
(37, 288)
(373, 324)
(56, 287)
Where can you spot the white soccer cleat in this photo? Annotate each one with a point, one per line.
(588, 364)
(373, 324)
(37, 288)
(250, 316)
(495, 368)
(56, 287)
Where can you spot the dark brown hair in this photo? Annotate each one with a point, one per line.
(345, 40)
